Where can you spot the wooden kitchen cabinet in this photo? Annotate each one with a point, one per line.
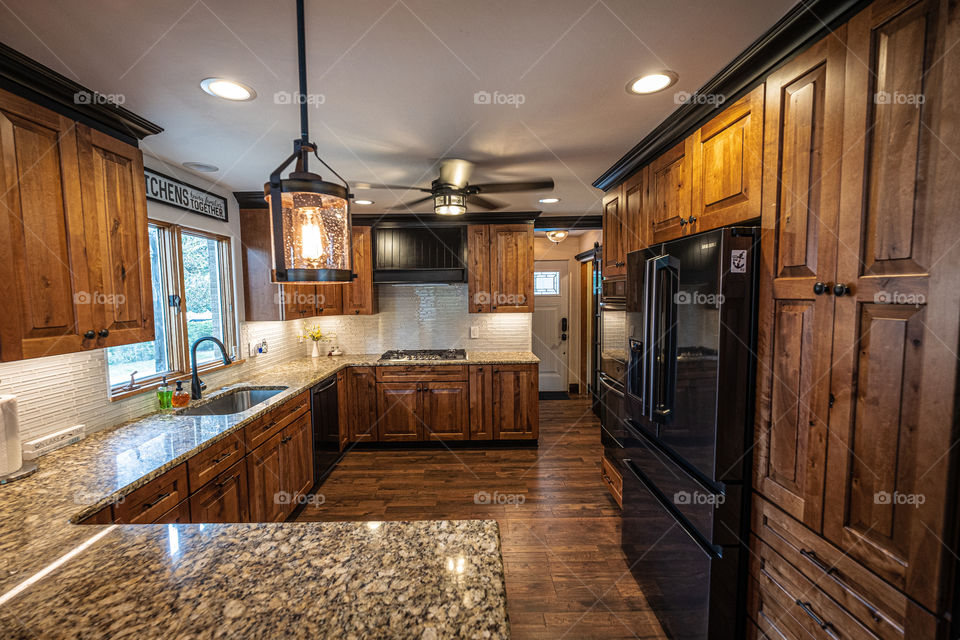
(180, 514)
(507, 284)
(516, 404)
(147, 503)
(224, 498)
(614, 256)
(398, 404)
(296, 459)
(359, 417)
(798, 250)
(445, 410)
(360, 295)
(727, 165)
(77, 273)
(265, 483)
(635, 224)
(670, 202)
(481, 402)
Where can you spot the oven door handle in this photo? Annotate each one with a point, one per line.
(712, 551)
(708, 485)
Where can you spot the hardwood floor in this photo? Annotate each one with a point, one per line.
(560, 529)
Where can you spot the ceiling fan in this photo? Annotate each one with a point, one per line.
(451, 192)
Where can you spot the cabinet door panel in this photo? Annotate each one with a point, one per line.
(118, 253)
(613, 253)
(511, 268)
(223, 499)
(329, 300)
(727, 165)
(478, 268)
(445, 410)
(894, 374)
(398, 404)
(363, 405)
(634, 228)
(516, 405)
(803, 132)
(481, 402)
(42, 234)
(296, 459)
(669, 193)
(265, 483)
(360, 296)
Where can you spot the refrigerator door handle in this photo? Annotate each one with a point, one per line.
(712, 551)
(664, 274)
(647, 356)
(708, 485)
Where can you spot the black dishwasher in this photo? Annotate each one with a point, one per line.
(325, 413)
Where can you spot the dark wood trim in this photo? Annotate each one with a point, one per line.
(589, 254)
(31, 80)
(569, 222)
(250, 199)
(807, 22)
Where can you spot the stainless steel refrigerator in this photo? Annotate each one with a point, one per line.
(688, 404)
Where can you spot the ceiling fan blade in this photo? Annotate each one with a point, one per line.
(543, 184)
(455, 172)
(409, 205)
(485, 203)
(391, 187)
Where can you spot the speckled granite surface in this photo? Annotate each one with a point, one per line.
(77, 480)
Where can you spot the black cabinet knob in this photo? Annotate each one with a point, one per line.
(103, 333)
(840, 289)
(357, 312)
(683, 221)
(819, 288)
(691, 220)
(90, 335)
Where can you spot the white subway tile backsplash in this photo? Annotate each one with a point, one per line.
(60, 391)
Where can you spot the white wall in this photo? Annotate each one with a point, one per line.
(543, 249)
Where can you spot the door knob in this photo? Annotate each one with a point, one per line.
(840, 289)
(819, 288)
(103, 333)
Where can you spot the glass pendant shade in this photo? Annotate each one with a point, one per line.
(311, 234)
(449, 204)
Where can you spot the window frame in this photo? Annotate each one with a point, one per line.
(175, 328)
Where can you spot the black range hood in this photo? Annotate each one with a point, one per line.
(419, 254)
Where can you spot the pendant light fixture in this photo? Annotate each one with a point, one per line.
(309, 217)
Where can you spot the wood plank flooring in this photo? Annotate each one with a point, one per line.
(566, 576)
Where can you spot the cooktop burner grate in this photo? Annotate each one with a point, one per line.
(425, 354)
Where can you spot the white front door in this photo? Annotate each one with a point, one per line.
(551, 287)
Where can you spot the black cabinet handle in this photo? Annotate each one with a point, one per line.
(819, 288)
(813, 616)
(90, 335)
(286, 440)
(357, 312)
(840, 289)
(832, 573)
(160, 498)
(103, 333)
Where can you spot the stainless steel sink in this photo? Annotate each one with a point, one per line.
(233, 401)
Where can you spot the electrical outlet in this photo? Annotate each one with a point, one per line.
(252, 349)
(474, 332)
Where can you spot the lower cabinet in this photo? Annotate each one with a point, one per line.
(445, 410)
(480, 414)
(180, 514)
(265, 484)
(359, 401)
(516, 405)
(223, 499)
(399, 406)
(296, 460)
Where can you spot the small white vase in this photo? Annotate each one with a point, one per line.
(316, 350)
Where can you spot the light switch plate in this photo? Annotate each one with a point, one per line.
(474, 332)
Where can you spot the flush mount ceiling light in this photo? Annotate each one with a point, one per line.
(557, 236)
(363, 202)
(228, 89)
(202, 167)
(549, 200)
(309, 217)
(652, 82)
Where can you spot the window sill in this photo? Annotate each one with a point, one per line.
(119, 393)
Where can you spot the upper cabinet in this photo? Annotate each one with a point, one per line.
(76, 271)
(266, 300)
(669, 200)
(727, 164)
(500, 259)
(614, 257)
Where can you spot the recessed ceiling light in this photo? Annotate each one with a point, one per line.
(363, 202)
(549, 200)
(202, 167)
(228, 89)
(652, 82)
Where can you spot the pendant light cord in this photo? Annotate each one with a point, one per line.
(302, 61)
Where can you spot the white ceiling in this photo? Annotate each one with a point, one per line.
(397, 78)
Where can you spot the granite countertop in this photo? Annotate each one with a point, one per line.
(115, 577)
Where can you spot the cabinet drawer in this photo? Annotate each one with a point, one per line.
(880, 607)
(149, 502)
(793, 604)
(103, 516)
(180, 514)
(416, 372)
(224, 498)
(612, 478)
(219, 456)
(273, 422)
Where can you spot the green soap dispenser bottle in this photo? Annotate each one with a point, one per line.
(164, 395)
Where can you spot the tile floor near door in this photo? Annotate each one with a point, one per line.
(560, 529)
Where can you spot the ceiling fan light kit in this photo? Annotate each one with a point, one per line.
(309, 217)
(449, 204)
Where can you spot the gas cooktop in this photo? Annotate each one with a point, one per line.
(425, 354)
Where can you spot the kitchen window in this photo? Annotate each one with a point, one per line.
(192, 298)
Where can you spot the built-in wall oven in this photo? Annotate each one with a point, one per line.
(612, 377)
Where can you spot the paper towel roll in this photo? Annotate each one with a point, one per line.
(10, 455)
